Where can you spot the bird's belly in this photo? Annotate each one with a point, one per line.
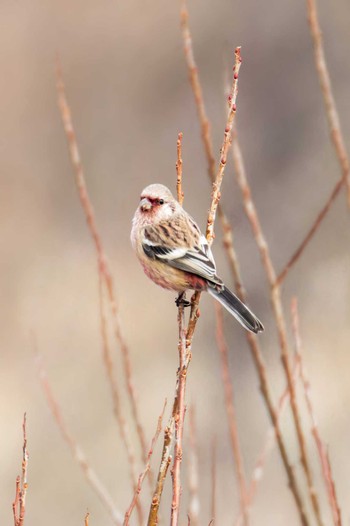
(165, 276)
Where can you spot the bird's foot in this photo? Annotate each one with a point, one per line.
(180, 300)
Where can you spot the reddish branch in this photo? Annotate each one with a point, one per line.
(322, 451)
(231, 413)
(206, 138)
(232, 99)
(180, 194)
(101, 256)
(327, 92)
(252, 215)
(117, 406)
(19, 504)
(179, 417)
(269, 441)
(146, 470)
(87, 518)
(76, 450)
(233, 261)
(334, 129)
(185, 341)
(321, 215)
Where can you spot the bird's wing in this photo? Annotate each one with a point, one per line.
(181, 246)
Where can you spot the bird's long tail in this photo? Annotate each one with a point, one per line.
(240, 311)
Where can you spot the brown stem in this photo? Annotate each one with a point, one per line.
(321, 449)
(101, 256)
(275, 292)
(312, 231)
(327, 92)
(231, 413)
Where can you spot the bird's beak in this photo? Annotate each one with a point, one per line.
(145, 204)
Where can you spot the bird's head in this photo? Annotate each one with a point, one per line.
(157, 202)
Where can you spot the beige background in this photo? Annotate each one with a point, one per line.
(128, 89)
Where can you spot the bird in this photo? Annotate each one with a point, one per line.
(176, 255)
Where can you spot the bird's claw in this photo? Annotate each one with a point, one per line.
(181, 301)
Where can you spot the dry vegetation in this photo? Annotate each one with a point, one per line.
(313, 507)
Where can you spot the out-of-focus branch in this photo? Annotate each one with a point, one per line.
(268, 444)
(193, 505)
(334, 129)
(180, 194)
(76, 450)
(102, 259)
(312, 231)
(231, 413)
(321, 449)
(327, 92)
(233, 261)
(117, 406)
(276, 301)
(87, 519)
(19, 504)
(146, 470)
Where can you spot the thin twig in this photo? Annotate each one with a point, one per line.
(179, 417)
(335, 133)
(233, 261)
(231, 413)
(327, 92)
(117, 406)
(322, 451)
(269, 442)
(87, 519)
(276, 301)
(312, 231)
(193, 479)
(163, 469)
(146, 470)
(19, 504)
(180, 194)
(78, 454)
(232, 99)
(206, 137)
(102, 259)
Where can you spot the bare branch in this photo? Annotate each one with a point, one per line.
(19, 504)
(146, 470)
(327, 92)
(233, 261)
(231, 413)
(87, 519)
(180, 194)
(276, 301)
(232, 99)
(315, 226)
(117, 406)
(179, 416)
(322, 451)
(101, 256)
(75, 448)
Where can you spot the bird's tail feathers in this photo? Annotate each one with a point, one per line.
(235, 307)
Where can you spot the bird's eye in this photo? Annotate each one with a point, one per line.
(161, 201)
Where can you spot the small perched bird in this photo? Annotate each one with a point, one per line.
(175, 255)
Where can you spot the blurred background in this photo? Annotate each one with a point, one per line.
(128, 88)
